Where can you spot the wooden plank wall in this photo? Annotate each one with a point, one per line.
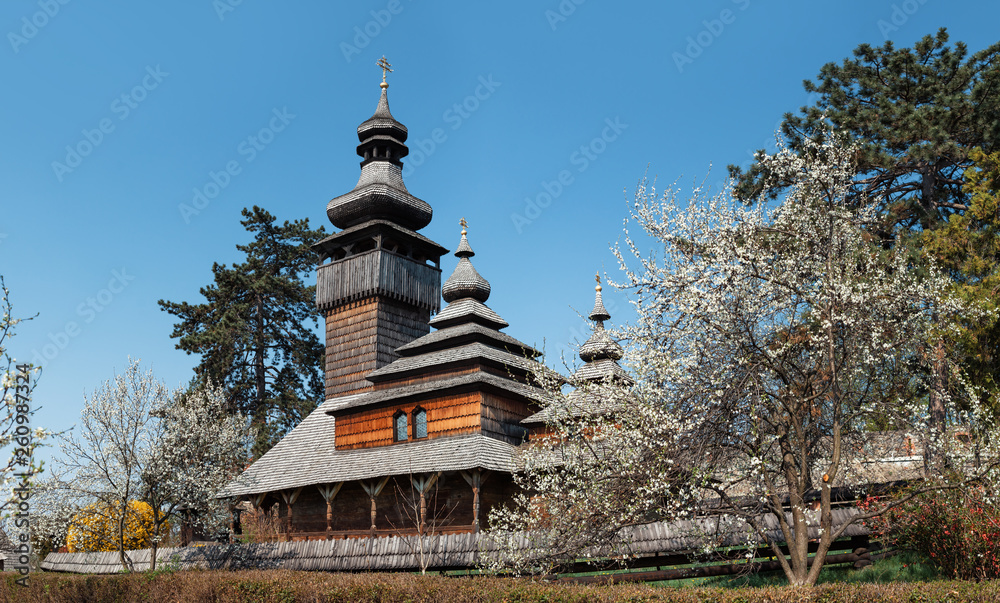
(362, 336)
(446, 415)
(378, 272)
(501, 417)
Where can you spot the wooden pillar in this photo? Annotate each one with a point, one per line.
(372, 489)
(328, 492)
(422, 484)
(475, 478)
(290, 498)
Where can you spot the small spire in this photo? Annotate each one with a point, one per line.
(600, 346)
(465, 281)
(464, 250)
(599, 314)
(384, 64)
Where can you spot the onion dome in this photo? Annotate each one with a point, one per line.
(600, 346)
(465, 281)
(380, 193)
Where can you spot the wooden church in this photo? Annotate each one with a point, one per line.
(419, 428)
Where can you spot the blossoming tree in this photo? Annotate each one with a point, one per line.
(771, 341)
(17, 381)
(136, 442)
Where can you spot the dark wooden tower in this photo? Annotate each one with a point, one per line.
(379, 280)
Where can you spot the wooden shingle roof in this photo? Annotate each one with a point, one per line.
(306, 456)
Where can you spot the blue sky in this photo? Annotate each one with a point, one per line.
(572, 101)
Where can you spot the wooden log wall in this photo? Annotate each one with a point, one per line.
(447, 415)
(362, 336)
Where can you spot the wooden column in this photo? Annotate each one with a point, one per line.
(422, 485)
(475, 478)
(328, 492)
(372, 489)
(290, 497)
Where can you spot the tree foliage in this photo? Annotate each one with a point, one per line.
(967, 248)
(254, 332)
(915, 114)
(198, 448)
(768, 339)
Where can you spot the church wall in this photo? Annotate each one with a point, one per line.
(501, 417)
(447, 415)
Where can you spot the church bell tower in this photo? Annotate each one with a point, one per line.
(379, 280)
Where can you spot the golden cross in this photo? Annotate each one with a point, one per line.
(597, 277)
(384, 64)
(464, 224)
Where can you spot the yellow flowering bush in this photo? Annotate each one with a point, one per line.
(95, 528)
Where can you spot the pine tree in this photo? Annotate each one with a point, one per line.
(916, 114)
(254, 331)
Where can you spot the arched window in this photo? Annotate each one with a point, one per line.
(399, 426)
(419, 423)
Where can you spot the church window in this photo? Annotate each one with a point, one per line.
(399, 427)
(419, 423)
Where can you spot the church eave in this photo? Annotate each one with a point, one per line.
(463, 334)
(467, 355)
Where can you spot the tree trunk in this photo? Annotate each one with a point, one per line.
(121, 540)
(423, 513)
(258, 361)
(936, 408)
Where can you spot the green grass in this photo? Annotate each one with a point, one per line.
(904, 567)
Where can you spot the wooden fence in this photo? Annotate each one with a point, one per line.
(655, 545)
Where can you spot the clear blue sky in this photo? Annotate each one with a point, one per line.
(156, 97)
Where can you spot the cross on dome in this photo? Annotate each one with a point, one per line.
(385, 65)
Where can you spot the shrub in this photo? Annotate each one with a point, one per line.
(95, 528)
(957, 530)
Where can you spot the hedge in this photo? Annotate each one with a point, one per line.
(281, 586)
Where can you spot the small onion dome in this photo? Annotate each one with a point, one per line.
(465, 281)
(600, 345)
(382, 122)
(599, 313)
